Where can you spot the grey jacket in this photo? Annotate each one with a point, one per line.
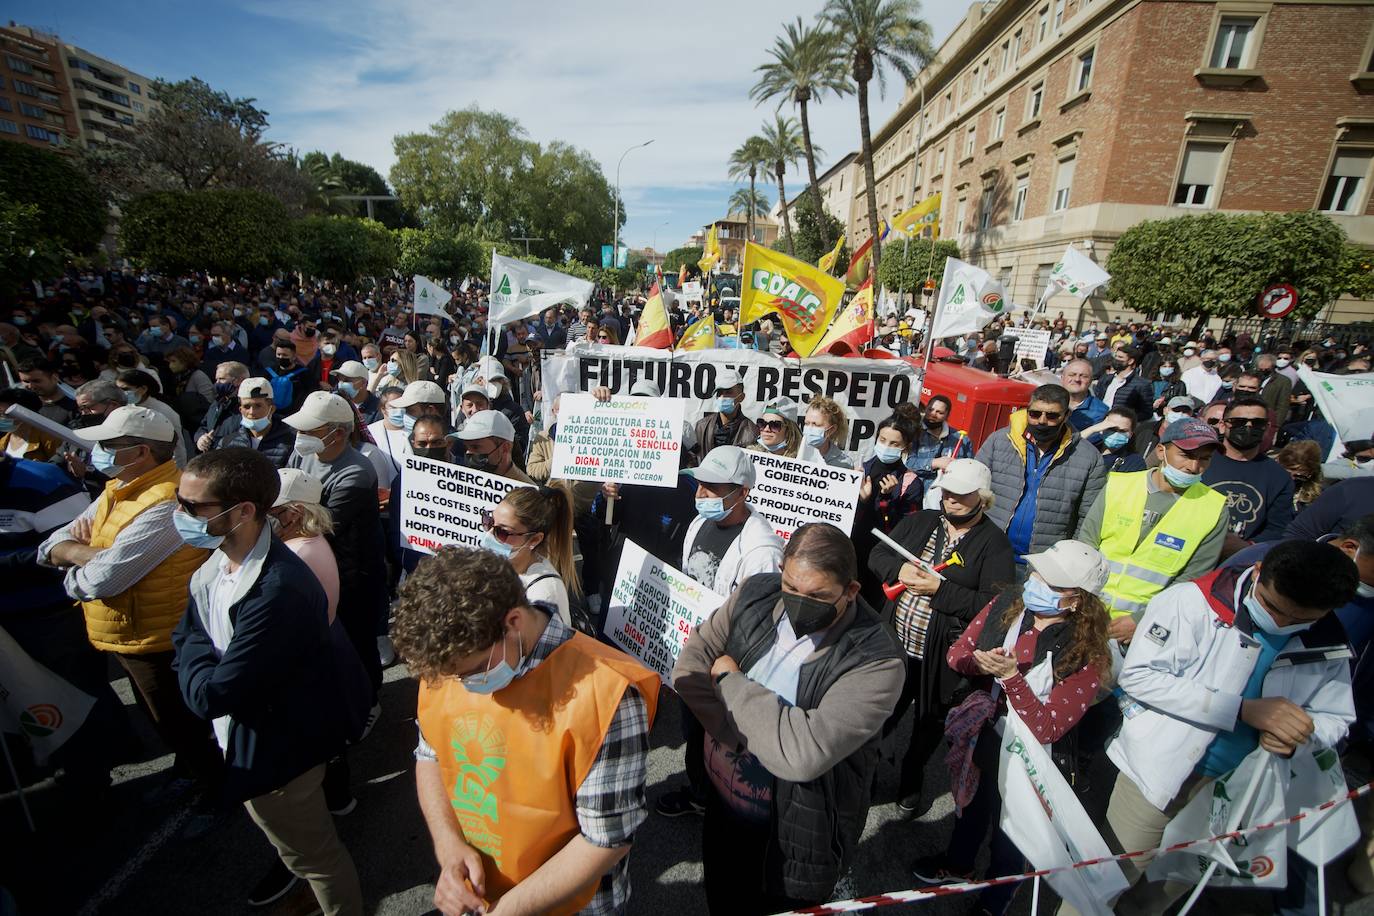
(1070, 486)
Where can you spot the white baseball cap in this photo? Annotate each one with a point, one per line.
(351, 369)
(645, 388)
(298, 487)
(255, 388)
(727, 378)
(489, 367)
(420, 393)
(725, 464)
(485, 424)
(965, 475)
(783, 407)
(320, 408)
(479, 390)
(140, 422)
(1071, 564)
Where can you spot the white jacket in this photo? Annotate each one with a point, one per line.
(1187, 667)
(758, 549)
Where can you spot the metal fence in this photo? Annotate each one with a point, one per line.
(1270, 333)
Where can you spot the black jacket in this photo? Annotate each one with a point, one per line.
(1136, 394)
(276, 446)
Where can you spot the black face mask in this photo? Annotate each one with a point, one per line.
(479, 462)
(807, 615)
(1209, 364)
(224, 389)
(436, 452)
(933, 424)
(1245, 437)
(960, 519)
(285, 362)
(1044, 433)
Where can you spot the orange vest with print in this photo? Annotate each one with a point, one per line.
(512, 762)
(141, 619)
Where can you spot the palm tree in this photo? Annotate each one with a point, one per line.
(874, 35)
(752, 202)
(804, 66)
(745, 162)
(784, 144)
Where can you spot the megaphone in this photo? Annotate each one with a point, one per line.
(895, 589)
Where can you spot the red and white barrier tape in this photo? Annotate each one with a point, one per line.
(949, 890)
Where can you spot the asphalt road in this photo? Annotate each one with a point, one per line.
(125, 856)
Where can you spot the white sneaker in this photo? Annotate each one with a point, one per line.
(386, 651)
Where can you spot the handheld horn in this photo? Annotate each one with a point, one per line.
(895, 589)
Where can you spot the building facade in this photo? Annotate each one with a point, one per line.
(837, 191)
(110, 99)
(1045, 123)
(36, 105)
(732, 233)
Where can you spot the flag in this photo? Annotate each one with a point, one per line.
(853, 326)
(654, 329)
(711, 255)
(1317, 778)
(430, 297)
(1346, 401)
(519, 290)
(913, 222)
(467, 281)
(682, 276)
(804, 297)
(1076, 275)
(887, 228)
(699, 335)
(969, 299)
(860, 266)
(36, 703)
(827, 261)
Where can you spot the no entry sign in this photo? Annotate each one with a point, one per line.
(1278, 300)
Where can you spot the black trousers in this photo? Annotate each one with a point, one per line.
(732, 851)
(927, 732)
(694, 739)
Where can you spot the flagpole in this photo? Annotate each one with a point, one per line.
(18, 786)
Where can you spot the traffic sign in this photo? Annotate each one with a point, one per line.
(1278, 300)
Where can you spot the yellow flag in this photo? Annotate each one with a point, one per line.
(699, 335)
(853, 325)
(711, 255)
(912, 222)
(827, 261)
(805, 297)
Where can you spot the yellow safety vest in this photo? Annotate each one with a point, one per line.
(1139, 571)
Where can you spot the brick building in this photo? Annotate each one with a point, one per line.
(732, 233)
(1050, 122)
(36, 104)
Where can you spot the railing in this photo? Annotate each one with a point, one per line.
(1271, 333)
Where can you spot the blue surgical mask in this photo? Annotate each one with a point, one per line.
(1259, 615)
(494, 680)
(6, 425)
(1115, 440)
(1179, 479)
(1040, 599)
(1166, 371)
(195, 338)
(712, 508)
(103, 460)
(131, 397)
(887, 454)
(155, 331)
(255, 426)
(496, 545)
(393, 369)
(409, 423)
(725, 405)
(777, 446)
(396, 416)
(348, 389)
(262, 320)
(372, 363)
(195, 530)
(813, 436)
(1173, 415)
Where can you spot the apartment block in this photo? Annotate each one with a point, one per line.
(110, 99)
(1045, 123)
(36, 106)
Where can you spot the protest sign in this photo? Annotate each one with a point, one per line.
(46, 426)
(691, 291)
(1032, 344)
(623, 440)
(867, 389)
(790, 493)
(441, 503)
(654, 608)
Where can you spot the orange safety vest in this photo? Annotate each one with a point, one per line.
(512, 762)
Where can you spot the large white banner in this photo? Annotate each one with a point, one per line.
(790, 493)
(519, 290)
(1347, 402)
(623, 440)
(654, 608)
(442, 503)
(867, 389)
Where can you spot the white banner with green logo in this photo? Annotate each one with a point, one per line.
(969, 299)
(1347, 402)
(521, 290)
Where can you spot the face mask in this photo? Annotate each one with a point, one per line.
(436, 452)
(131, 397)
(1223, 358)
(348, 389)
(1166, 371)
(958, 518)
(1115, 440)
(155, 332)
(887, 454)
(258, 425)
(807, 615)
(195, 530)
(1043, 433)
(777, 446)
(1283, 363)
(285, 363)
(371, 363)
(1209, 364)
(20, 322)
(712, 508)
(813, 436)
(1040, 599)
(396, 416)
(1244, 437)
(498, 678)
(1174, 415)
(6, 425)
(480, 462)
(1262, 619)
(196, 338)
(1189, 351)
(1180, 480)
(308, 445)
(454, 340)
(329, 349)
(238, 313)
(490, 542)
(408, 422)
(393, 369)
(725, 405)
(103, 460)
(263, 321)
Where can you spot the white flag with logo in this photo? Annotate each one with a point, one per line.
(36, 703)
(1347, 402)
(969, 299)
(1043, 817)
(1317, 778)
(1076, 274)
(519, 289)
(430, 297)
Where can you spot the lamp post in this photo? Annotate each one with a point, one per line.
(656, 228)
(615, 216)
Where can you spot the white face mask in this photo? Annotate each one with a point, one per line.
(309, 445)
(1283, 363)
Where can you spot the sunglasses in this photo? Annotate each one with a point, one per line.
(1050, 415)
(502, 533)
(604, 338)
(776, 425)
(1214, 421)
(1252, 422)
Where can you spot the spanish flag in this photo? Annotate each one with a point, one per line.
(853, 327)
(682, 276)
(654, 329)
(914, 221)
(827, 261)
(804, 297)
(700, 334)
(711, 256)
(860, 266)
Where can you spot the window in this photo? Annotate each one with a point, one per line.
(24, 88)
(1063, 182)
(1058, 14)
(985, 209)
(1043, 27)
(1035, 101)
(1198, 175)
(42, 133)
(18, 65)
(1018, 206)
(8, 127)
(1229, 52)
(1005, 279)
(32, 111)
(1085, 70)
(135, 88)
(6, 105)
(1016, 43)
(961, 214)
(138, 106)
(1006, 54)
(1343, 191)
(949, 104)
(970, 141)
(999, 123)
(1042, 277)
(976, 83)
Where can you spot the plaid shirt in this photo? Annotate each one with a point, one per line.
(610, 802)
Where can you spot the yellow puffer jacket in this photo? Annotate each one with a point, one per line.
(141, 619)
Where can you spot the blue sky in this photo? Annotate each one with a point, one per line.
(346, 76)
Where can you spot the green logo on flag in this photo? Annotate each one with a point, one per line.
(424, 293)
(958, 297)
(504, 288)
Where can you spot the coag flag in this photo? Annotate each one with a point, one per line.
(969, 299)
(914, 221)
(860, 266)
(36, 703)
(654, 329)
(699, 335)
(853, 326)
(711, 256)
(430, 297)
(804, 297)
(519, 289)
(827, 261)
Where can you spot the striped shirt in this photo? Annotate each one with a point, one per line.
(137, 550)
(913, 611)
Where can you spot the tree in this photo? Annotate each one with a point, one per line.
(875, 35)
(805, 65)
(334, 175)
(815, 235)
(783, 143)
(751, 203)
(437, 254)
(342, 249)
(224, 232)
(567, 202)
(50, 208)
(689, 255)
(29, 254)
(1357, 271)
(908, 266)
(1218, 264)
(745, 162)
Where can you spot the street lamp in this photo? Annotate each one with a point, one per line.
(656, 228)
(615, 216)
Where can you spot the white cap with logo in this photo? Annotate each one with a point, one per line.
(724, 464)
(139, 422)
(486, 424)
(298, 487)
(351, 369)
(1071, 564)
(320, 408)
(783, 407)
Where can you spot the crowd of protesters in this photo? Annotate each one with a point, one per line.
(1165, 558)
